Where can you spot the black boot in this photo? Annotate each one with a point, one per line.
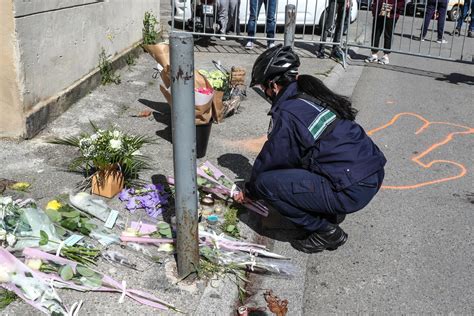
(329, 239)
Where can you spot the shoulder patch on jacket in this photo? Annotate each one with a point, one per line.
(321, 122)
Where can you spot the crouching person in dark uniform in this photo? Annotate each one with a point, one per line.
(318, 164)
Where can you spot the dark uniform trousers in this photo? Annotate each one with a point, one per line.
(308, 200)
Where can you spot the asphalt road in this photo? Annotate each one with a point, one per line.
(411, 249)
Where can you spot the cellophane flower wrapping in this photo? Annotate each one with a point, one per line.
(22, 223)
(29, 285)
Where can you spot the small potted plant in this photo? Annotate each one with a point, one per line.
(108, 157)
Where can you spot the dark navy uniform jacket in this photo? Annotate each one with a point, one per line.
(345, 155)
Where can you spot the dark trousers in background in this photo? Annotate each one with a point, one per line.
(382, 25)
(333, 21)
(465, 9)
(307, 199)
(432, 6)
(270, 9)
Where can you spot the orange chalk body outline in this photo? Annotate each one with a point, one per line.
(416, 159)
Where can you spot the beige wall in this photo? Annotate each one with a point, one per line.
(50, 46)
(12, 122)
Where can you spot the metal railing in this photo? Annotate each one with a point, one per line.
(325, 22)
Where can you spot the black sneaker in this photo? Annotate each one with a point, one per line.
(470, 34)
(456, 32)
(324, 240)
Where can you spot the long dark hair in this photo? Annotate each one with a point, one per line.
(316, 88)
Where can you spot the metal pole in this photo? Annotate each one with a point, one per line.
(290, 25)
(184, 151)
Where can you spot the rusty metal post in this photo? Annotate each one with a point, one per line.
(184, 151)
(290, 25)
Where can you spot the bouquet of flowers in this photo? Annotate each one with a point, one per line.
(44, 271)
(29, 285)
(108, 148)
(218, 79)
(224, 185)
(152, 198)
(23, 224)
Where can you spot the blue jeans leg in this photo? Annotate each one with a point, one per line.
(255, 6)
(301, 196)
(270, 8)
(463, 16)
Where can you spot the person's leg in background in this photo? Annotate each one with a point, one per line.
(390, 25)
(223, 16)
(430, 9)
(233, 16)
(270, 10)
(377, 29)
(255, 6)
(471, 24)
(442, 8)
(328, 23)
(461, 18)
(341, 13)
(307, 200)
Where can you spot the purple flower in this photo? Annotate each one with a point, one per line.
(153, 212)
(147, 201)
(124, 195)
(150, 187)
(132, 204)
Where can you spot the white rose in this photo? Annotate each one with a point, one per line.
(3, 234)
(6, 200)
(115, 143)
(4, 275)
(11, 240)
(34, 264)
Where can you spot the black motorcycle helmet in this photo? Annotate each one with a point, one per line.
(273, 64)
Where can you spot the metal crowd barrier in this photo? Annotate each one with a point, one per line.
(326, 22)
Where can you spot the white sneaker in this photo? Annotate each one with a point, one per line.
(249, 45)
(222, 38)
(384, 60)
(372, 59)
(271, 45)
(442, 41)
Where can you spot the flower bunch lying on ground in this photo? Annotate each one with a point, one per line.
(23, 224)
(151, 198)
(69, 218)
(106, 148)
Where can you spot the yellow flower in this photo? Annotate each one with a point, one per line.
(34, 264)
(20, 186)
(53, 205)
(166, 247)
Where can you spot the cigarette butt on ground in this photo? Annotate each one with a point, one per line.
(142, 114)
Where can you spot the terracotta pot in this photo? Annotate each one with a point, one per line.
(107, 182)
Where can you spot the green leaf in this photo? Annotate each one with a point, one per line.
(92, 282)
(44, 239)
(66, 272)
(166, 232)
(163, 225)
(70, 214)
(61, 231)
(53, 215)
(230, 228)
(84, 271)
